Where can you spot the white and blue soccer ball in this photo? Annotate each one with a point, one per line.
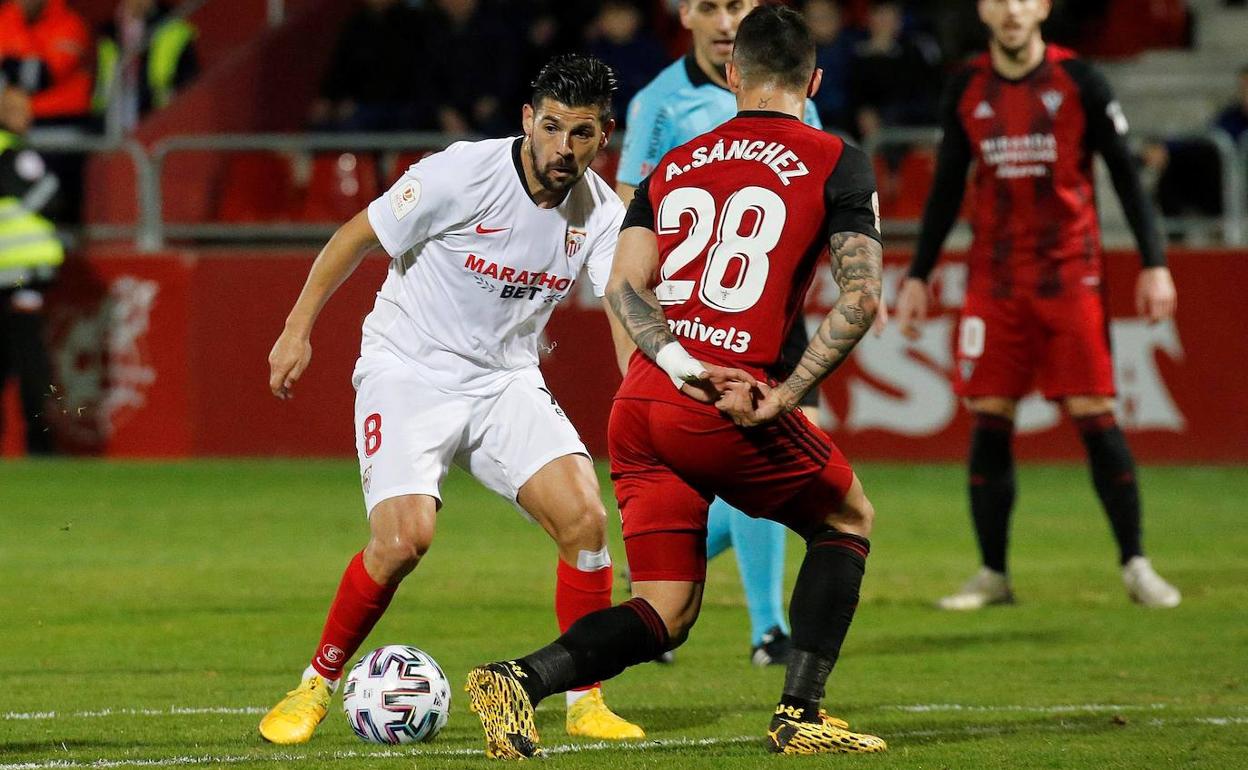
(396, 694)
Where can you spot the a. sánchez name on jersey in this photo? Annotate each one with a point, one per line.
(741, 228)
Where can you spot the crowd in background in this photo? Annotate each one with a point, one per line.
(463, 65)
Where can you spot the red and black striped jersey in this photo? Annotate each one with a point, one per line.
(1029, 145)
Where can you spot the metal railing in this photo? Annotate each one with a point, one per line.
(156, 231)
(151, 232)
(1232, 161)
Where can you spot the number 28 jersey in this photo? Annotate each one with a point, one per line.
(742, 215)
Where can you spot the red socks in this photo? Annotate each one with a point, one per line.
(357, 607)
(578, 593)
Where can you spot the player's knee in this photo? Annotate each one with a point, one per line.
(584, 528)
(1086, 406)
(856, 516)
(402, 534)
(678, 624)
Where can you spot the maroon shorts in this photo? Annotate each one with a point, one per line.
(1010, 346)
(669, 461)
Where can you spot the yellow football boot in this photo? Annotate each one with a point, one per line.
(590, 717)
(832, 721)
(789, 735)
(295, 717)
(500, 702)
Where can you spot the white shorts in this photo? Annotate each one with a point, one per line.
(408, 433)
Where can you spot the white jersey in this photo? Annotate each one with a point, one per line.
(477, 267)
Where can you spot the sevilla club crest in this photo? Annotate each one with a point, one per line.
(574, 241)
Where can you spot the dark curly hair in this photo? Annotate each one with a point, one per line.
(577, 81)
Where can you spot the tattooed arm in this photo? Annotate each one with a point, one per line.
(630, 291)
(857, 265)
(630, 294)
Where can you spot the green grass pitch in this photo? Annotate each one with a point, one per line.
(150, 612)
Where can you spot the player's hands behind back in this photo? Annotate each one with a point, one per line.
(715, 382)
(746, 408)
(291, 354)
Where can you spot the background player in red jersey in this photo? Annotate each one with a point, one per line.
(1030, 116)
(715, 255)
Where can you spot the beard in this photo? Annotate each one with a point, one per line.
(1015, 51)
(548, 182)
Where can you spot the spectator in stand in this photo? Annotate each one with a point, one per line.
(44, 48)
(470, 54)
(371, 84)
(1184, 167)
(30, 254)
(835, 45)
(620, 39)
(143, 56)
(895, 76)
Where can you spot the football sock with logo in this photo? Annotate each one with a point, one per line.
(1113, 475)
(578, 593)
(992, 486)
(356, 608)
(824, 600)
(596, 647)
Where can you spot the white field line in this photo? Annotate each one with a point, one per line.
(583, 748)
(172, 711)
(915, 708)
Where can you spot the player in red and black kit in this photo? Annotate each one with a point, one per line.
(714, 259)
(1026, 119)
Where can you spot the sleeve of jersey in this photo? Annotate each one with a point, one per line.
(645, 140)
(598, 265)
(850, 195)
(949, 185)
(421, 204)
(1107, 135)
(641, 210)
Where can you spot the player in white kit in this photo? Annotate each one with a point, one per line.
(485, 239)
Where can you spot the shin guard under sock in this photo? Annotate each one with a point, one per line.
(824, 600)
(578, 593)
(596, 647)
(356, 608)
(992, 487)
(1113, 475)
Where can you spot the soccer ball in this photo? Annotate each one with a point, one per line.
(396, 694)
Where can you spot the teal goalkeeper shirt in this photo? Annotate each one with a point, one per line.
(678, 105)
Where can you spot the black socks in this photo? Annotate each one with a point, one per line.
(1113, 475)
(824, 599)
(596, 647)
(992, 486)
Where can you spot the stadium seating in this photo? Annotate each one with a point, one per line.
(340, 185)
(256, 187)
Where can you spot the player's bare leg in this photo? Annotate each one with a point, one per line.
(991, 492)
(401, 531)
(565, 500)
(824, 599)
(1114, 477)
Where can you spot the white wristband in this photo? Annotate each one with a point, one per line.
(679, 365)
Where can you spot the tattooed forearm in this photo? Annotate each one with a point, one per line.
(642, 316)
(857, 267)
